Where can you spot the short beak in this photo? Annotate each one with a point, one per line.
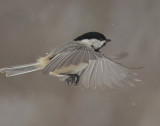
(108, 40)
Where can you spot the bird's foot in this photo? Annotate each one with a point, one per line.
(73, 79)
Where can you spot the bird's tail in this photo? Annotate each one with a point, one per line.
(21, 69)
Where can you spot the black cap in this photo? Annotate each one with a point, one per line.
(92, 35)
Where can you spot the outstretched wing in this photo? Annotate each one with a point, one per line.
(71, 56)
(100, 71)
(103, 72)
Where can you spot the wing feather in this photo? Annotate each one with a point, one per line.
(68, 56)
(103, 72)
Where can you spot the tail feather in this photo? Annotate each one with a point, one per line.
(21, 69)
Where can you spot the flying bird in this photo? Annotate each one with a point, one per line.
(80, 62)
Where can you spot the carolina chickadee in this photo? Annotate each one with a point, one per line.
(79, 61)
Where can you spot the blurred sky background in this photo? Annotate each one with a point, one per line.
(31, 28)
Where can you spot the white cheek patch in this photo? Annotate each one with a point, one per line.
(98, 44)
(93, 42)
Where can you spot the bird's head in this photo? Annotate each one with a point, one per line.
(93, 40)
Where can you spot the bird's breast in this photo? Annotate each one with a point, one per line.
(70, 69)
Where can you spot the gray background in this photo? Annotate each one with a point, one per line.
(31, 28)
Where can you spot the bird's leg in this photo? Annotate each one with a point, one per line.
(72, 79)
